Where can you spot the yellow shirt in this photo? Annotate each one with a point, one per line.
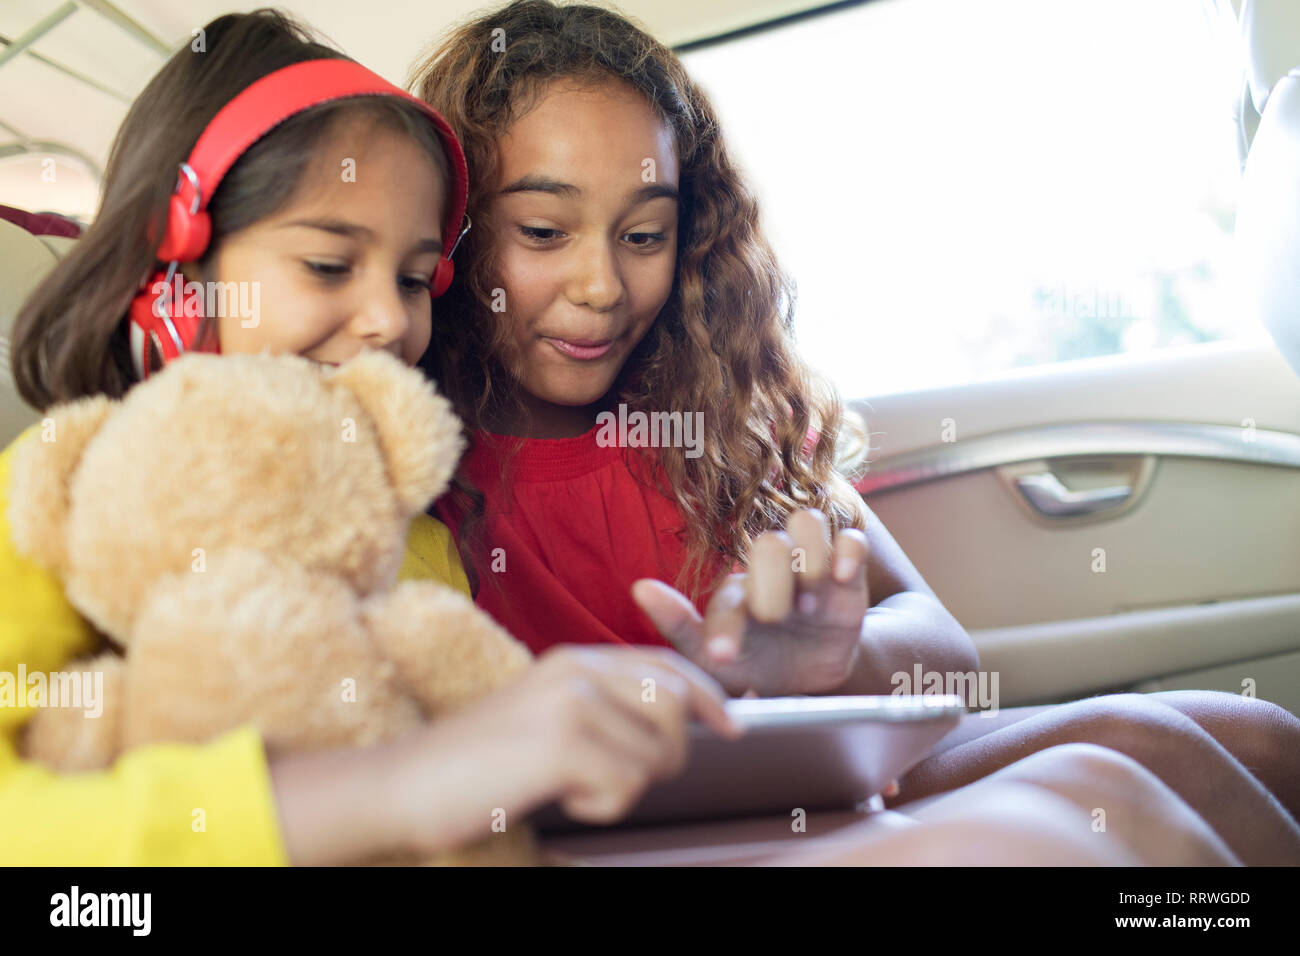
(140, 812)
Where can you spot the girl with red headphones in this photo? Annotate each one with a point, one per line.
(268, 161)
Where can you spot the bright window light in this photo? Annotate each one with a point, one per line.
(960, 188)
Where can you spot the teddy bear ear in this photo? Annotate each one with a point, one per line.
(419, 433)
(40, 482)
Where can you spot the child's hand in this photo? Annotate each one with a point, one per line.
(584, 726)
(791, 624)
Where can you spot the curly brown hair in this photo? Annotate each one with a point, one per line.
(723, 343)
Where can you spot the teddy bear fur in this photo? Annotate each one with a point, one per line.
(235, 526)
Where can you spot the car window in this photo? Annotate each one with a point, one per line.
(961, 188)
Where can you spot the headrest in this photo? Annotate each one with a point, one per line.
(1268, 207)
(24, 261)
(1270, 33)
(1268, 220)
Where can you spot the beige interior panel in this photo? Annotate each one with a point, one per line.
(1064, 659)
(1201, 579)
(1275, 679)
(1224, 383)
(1204, 530)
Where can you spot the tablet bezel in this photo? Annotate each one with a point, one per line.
(759, 714)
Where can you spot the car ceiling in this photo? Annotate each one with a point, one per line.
(73, 84)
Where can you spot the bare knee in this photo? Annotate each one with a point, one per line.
(1271, 731)
(1261, 734)
(1258, 732)
(1155, 734)
(1130, 722)
(1087, 774)
(1012, 824)
(1027, 828)
(1119, 794)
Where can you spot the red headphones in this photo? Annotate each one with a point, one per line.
(160, 319)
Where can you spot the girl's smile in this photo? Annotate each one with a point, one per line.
(581, 349)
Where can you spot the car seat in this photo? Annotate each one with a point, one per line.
(1268, 210)
(24, 261)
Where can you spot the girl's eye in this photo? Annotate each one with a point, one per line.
(414, 285)
(645, 240)
(539, 234)
(333, 271)
(327, 270)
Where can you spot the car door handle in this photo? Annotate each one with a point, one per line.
(1051, 499)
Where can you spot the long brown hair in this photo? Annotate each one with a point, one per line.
(69, 338)
(723, 343)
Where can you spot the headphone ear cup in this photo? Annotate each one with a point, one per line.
(145, 326)
(187, 235)
(162, 330)
(442, 276)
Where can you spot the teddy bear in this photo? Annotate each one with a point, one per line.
(234, 527)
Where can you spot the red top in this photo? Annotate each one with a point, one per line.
(575, 529)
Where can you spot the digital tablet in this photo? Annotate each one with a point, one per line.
(810, 753)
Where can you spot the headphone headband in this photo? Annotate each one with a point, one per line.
(267, 103)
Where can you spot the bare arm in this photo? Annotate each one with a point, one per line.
(574, 727)
(906, 623)
(332, 805)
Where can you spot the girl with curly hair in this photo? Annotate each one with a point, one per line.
(346, 266)
(617, 276)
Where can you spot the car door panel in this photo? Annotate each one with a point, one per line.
(1174, 556)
